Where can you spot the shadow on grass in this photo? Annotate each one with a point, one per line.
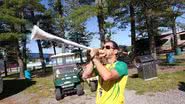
(12, 75)
(134, 76)
(34, 73)
(12, 87)
(181, 86)
(41, 73)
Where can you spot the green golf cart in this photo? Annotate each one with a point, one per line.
(67, 78)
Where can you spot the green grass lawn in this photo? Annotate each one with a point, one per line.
(164, 82)
(43, 86)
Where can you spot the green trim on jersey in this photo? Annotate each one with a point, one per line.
(121, 68)
(112, 91)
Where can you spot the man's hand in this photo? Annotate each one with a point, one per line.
(94, 53)
(97, 53)
(101, 53)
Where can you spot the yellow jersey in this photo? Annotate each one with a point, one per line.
(112, 92)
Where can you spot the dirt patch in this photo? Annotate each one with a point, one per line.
(19, 98)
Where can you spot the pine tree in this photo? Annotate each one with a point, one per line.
(15, 16)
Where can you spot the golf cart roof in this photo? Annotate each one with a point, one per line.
(62, 55)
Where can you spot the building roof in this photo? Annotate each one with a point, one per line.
(36, 55)
(63, 55)
(171, 33)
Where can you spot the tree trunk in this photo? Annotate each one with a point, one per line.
(151, 36)
(19, 56)
(54, 48)
(24, 48)
(20, 61)
(174, 36)
(39, 43)
(24, 55)
(101, 22)
(79, 50)
(41, 55)
(133, 33)
(60, 11)
(63, 51)
(152, 46)
(80, 53)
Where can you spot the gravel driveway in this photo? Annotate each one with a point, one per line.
(169, 97)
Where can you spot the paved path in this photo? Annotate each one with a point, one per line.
(169, 97)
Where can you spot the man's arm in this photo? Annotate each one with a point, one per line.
(104, 72)
(88, 70)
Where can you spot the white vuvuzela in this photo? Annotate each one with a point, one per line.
(39, 34)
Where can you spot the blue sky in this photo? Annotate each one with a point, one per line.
(121, 37)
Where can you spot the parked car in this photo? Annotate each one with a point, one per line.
(1, 84)
(1, 79)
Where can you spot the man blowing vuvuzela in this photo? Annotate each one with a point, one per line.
(112, 74)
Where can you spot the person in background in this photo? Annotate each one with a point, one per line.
(112, 74)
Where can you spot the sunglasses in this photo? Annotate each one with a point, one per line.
(107, 47)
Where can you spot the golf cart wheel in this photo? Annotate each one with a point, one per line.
(93, 86)
(59, 94)
(80, 90)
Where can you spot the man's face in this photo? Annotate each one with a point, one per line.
(109, 50)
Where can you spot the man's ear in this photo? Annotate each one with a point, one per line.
(116, 51)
